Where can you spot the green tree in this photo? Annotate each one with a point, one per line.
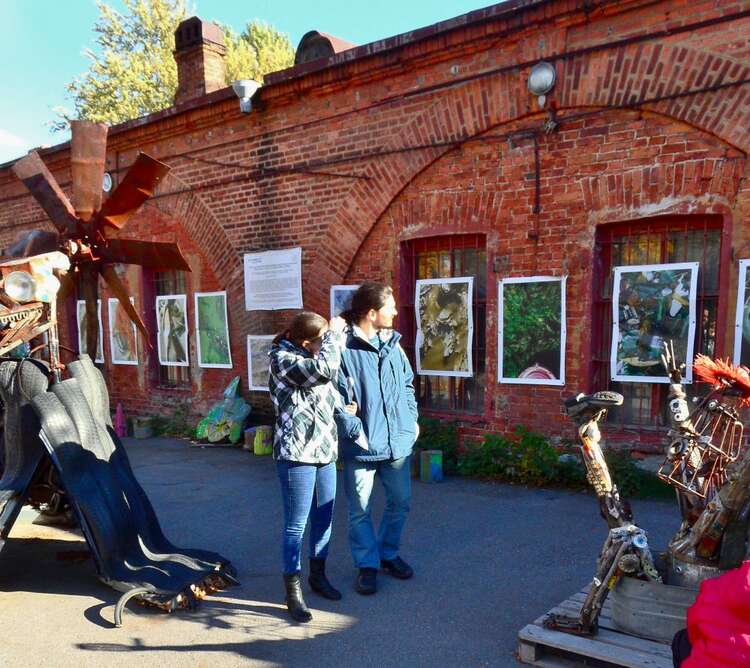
(258, 50)
(133, 72)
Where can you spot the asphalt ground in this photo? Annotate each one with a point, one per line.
(488, 559)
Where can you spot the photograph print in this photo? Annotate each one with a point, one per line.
(123, 337)
(445, 326)
(531, 330)
(172, 330)
(81, 321)
(212, 330)
(341, 298)
(258, 348)
(652, 304)
(742, 319)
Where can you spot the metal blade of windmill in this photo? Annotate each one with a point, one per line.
(34, 174)
(121, 292)
(137, 186)
(88, 151)
(149, 254)
(89, 292)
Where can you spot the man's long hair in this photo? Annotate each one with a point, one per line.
(369, 295)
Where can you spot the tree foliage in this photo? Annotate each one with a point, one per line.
(133, 72)
(258, 50)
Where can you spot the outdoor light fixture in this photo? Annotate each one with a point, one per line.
(541, 80)
(245, 89)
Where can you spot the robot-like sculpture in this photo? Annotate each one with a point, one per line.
(707, 465)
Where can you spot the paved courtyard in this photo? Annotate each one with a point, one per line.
(488, 559)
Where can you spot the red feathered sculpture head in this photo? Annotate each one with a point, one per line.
(723, 374)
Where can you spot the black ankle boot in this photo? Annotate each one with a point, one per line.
(294, 601)
(319, 582)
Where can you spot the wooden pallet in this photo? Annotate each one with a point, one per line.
(609, 647)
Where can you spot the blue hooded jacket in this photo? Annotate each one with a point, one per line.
(382, 383)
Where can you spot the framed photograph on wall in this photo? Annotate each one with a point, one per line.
(341, 298)
(172, 330)
(742, 318)
(652, 304)
(212, 330)
(258, 347)
(81, 321)
(445, 326)
(123, 335)
(531, 330)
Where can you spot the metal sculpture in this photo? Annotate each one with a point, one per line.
(68, 419)
(707, 464)
(87, 230)
(626, 550)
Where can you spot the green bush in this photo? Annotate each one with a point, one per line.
(524, 457)
(178, 424)
(528, 458)
(633, 481)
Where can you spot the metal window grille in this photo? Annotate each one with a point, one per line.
(447, 257)
(170, 283)
(654, 241)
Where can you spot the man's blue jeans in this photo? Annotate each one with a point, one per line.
(307, 490)
(395, 474)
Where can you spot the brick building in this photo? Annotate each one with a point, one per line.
(424, 154)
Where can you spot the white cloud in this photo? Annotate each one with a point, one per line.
(11, 146)
(9, 140)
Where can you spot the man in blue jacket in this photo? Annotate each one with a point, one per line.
(378, 440)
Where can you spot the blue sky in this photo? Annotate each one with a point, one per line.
(43, 44)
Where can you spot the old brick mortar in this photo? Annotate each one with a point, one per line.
(684, 155)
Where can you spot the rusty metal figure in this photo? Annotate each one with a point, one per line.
(626, 550)
(90, 232)
(707, 465)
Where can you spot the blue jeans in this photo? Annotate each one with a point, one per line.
(308, 490)
(395, 474)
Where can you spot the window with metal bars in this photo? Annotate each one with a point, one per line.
(653, 241)
(446, 257)
(169, 283)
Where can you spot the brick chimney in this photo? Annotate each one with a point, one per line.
(199, 54)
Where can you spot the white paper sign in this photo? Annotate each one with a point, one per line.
(273, 280)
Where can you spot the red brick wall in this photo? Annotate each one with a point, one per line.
(418, 135)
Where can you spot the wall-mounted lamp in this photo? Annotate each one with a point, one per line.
(245, 89)
(541, 80)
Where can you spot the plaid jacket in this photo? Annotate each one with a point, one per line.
(304, 397)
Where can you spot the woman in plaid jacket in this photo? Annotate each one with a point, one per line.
(304, 361)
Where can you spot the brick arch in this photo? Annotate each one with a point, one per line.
(207, 233)
(493, 102)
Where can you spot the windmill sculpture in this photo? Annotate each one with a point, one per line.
(88, 231)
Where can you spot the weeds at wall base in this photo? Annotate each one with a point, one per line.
(528, 458)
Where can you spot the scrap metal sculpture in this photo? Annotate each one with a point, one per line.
(58, 435)
(709, 468)
(707, 464)
(625, 551)
(89, 231)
